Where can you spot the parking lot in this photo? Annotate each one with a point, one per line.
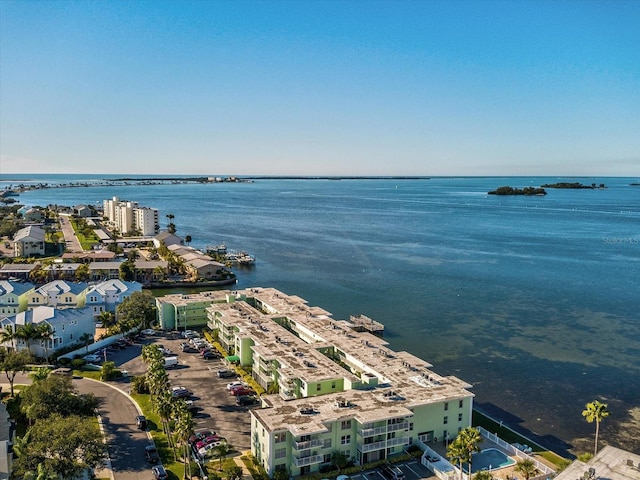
(216, 407)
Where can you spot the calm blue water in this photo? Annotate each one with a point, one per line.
(534, 300)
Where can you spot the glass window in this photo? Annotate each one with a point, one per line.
(345, 424)
(445, 420)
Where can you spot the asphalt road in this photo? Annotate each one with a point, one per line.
(125, 441)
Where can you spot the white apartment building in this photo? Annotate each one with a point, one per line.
(127, 216)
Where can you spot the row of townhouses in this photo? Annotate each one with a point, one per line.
(17, 297)
(339, 386)
(126, 216)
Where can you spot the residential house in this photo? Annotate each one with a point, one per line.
(104, 270)
(17, 271)
(609, 463)
(83, 211)
(206, 269)
(107, 295)
(167, 239)
(33, 215)
(62, 271)
(70, 325)
(58, 293)
(29, 241)
(87, 257)
(14, 297)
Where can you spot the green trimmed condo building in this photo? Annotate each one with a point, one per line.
(332, 385)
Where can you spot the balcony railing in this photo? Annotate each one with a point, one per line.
(398, 426)
(369, 447)
(372, 432)
(308, 444)
(310, 460)
(397, 441)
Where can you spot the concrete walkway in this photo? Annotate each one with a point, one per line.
(246, 475)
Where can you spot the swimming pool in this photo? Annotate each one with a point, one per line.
(490, 459)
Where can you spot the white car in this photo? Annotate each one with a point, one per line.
(235, 384)
(149, 332)
(210, 446)
(92, 358)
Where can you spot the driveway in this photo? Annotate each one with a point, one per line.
(70, 239)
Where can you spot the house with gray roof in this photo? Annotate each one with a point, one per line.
(167, 238)
(69, 326)
(29, 241)
(107, 295)
(14, 297)
(58, 293)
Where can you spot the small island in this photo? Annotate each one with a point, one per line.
(518, 191)
(574, 185)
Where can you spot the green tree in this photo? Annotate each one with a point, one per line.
(457, 454)
(127, 271)
(183, 428)
(339, 459)
(83, 273)
(27, 333)
(108, 371)
(66, 446)
(221, 452)
(8, 335)
(483, 475)
(527, 468)
(107, 318)
(14, 362)
(44, 333)
(137, 310)
(595, 412)
(39, 374)
(55, 395)
(233, 473)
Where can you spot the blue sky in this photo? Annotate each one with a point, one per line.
(320, 87)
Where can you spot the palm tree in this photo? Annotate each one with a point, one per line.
(221, 452)
(457, 454)
(595, 411)
(483, 475)
(107, 319)
(183, 429)
(45, 333)
(8, 334)
(470, 438)
(40, 373)
(27, 332)
(527, 468)
(163, 405)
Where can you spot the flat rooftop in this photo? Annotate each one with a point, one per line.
(609, 464)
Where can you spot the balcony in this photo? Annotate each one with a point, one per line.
(398, 426)
(306, 445)
(398, 441)
(370, 447)
(310, 460)
(372, 432)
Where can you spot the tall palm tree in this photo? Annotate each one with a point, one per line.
(183, 429)
(595, 411)
(527, 468)
(470, 438)
(27, 332)
(457, 454)
(8, 334)
(221, 452)
(163, 405)
(44, 333)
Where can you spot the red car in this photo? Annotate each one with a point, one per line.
(242, 391)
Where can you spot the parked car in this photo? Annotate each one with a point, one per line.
(149, 332)
(232, 385)
(180, 392)
(226, 373)
(202, 452)
(240, 391)
(159, 473)
(392, 472)
(151, 452)
(210, 355)
(207, 440)
(199, 435)
(92, 358)
(246, 400)
(141, 422)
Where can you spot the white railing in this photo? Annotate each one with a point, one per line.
(369, 447)
(308, 444)
(310, 460)
(544, 469)
(372, 432)
(398, 426)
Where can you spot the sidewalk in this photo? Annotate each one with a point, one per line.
(246, 475)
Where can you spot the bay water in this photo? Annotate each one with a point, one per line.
(534, 300)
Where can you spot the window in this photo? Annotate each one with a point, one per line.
(280, 437)
(446, 406)
(326, 443)
(333, 385)
(281, 453)
(345, 440)
(345, 424)
(318, 387)
(459, 417)
(445, 420)
(460, 403)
